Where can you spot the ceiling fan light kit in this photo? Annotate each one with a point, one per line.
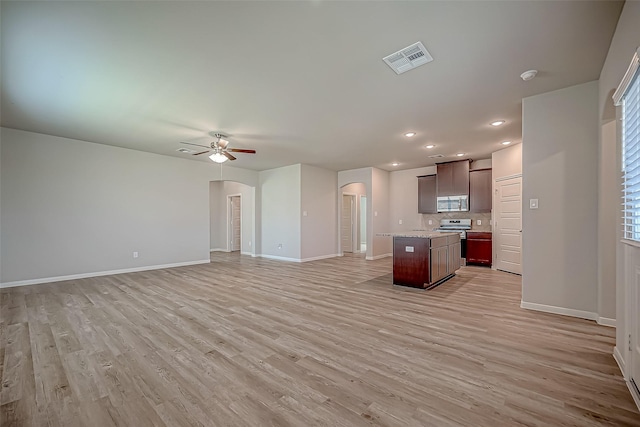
(221, 152)
(218, 157)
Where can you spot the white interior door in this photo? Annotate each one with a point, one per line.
(346, 223)
(235, 214)
(508, 225)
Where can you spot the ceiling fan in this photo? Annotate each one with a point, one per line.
(220, 151)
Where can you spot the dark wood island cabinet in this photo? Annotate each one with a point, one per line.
(426, 260)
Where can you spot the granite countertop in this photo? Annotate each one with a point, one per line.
(423, 234)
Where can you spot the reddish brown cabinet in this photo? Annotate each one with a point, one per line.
(453, 178)
(479, 248)
(480, 190)
(427, 194)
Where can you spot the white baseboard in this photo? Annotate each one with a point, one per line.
(620, 361)
(246, 253)
(606, 321)
(218, 250)
(634, 394)
(373, 258)
(280, 258)
(559, 310)
(99, 273)
(316, 258)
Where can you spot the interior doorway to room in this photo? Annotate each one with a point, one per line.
(347, 223)
(232, 217)
(508, 224)
(352, 218)
(235, 222)
(363, 224)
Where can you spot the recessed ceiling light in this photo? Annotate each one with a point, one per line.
(410, 134)
(395, 164)
(506, 143)
(528, 75)
(460, 154)
(497, 123)
(429, 146)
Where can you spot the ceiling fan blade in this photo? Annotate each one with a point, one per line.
(202, 152)
(241, 150)
(223, 143)
(229, 156)
(197, 145)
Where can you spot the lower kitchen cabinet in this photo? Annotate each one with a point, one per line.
(479, 248)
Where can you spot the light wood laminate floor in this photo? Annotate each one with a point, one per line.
(255, 342)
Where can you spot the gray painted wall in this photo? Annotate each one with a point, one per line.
(71, 207)
(216, 242)
(382, 246)
(75, 208)
(318, 198)
(506, 162)
(608, 220)
(559, 164)
(280, 196)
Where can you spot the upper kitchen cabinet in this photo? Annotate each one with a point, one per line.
(453, 178)
(427, 194)
(480, 190)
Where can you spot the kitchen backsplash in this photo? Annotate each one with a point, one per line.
(485, 219)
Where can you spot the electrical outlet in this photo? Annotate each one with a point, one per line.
(135, 254)
(479, 222)
(375, 213)
(430, 222)
(249, 243)
(304, 213)
(279, 245)
(400, 222)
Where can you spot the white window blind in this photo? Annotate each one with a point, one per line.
(628, 95)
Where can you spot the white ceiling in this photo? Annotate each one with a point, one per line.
(300, 82)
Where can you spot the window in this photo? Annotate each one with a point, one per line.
(628, 96)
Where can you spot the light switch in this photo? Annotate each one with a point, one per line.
(375, 213)
(430, 222)
(479, 222)
(408, 248)
(304, 213)
(400, 222)
(533, 203)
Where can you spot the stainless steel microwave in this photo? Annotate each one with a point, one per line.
(453, 203)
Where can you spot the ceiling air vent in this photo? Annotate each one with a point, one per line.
(408, 58)
(184, 150)
(436, 156)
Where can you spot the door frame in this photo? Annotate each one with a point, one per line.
(229, 218)
(362, 219)
(354, 222)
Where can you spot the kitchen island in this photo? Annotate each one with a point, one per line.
(424, 259)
